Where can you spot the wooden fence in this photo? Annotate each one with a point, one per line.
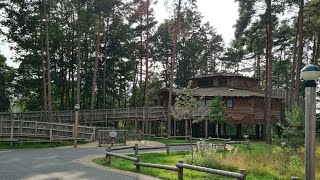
(19, 129)
(180, 166)
(121, 138)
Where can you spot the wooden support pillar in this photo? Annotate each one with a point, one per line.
(219, 130)
(136, 124)
(150, 127)
(142, 125)
(161, 128)
(258, 131)
(186, 127)
(225, 129)
(174, 127)
(106, 123)
(261, 131)
(206, 128)
(239, 131)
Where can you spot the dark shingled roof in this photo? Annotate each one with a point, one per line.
(221, 74)
(219, 91)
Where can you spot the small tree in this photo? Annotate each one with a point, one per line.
(186, 105)
(293, 131)
(216, 112)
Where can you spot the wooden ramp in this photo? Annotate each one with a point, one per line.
(156, 113)
(24, 129)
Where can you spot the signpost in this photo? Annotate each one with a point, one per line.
(113, 135)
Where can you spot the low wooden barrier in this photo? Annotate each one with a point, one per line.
(180, 166)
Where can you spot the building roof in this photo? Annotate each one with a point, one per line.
(221, 74)
(219, 91)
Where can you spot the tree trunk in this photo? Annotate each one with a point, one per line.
(173, 63)
(293, 72)
(269, 85)
(217, 129)
(146, 87)
(317, 56)
(300, 50)
(48, 63)
(95, 71)
(45, 103)
(105, 64)
(78, 55)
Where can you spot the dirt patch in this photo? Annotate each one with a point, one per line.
(129, 143)
(144, 143)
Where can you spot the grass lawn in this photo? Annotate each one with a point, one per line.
(33, 145)
(262, 162)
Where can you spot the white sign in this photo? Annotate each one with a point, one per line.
(112, 134)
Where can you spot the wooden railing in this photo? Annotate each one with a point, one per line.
(17, 129)
(99, 115)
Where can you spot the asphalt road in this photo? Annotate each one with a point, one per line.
(52, 164)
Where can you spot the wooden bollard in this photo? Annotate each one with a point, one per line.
(168, 148)
(224, 145)
(136, 149)
(180, 171)
(109, 157)
(294, 178)
(243, 172)
(138, 160)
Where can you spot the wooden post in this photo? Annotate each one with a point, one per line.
(150, 127)
(206, 128)
(168, 148)
(138, 160)
(257, 131)
(106, 119)
(225, 129)
(174, 127)
(224, 145)
(136, 124)
(161, 128)
(50, 131)
(243, 172)
(186, 128)
(109, 157)
(180, 171)
(1, 126)
(20, 127)
(11, 131)
(136, 149)
(36, 129)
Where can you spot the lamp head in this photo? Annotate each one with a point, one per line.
(77, 107)
(310, 72)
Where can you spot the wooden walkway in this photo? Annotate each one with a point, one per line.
(157, 113)
(22, 129)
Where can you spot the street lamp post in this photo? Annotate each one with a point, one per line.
(310, 74)
(76, 124)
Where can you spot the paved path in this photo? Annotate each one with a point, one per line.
(52, 164)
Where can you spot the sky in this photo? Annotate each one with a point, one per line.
(222, 15)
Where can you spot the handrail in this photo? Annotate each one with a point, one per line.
(158, 166)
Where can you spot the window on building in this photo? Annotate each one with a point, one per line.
(205, 83)
(229, 103)
(223, 82)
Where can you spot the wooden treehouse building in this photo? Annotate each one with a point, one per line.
(244, 103)
(244, 106)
